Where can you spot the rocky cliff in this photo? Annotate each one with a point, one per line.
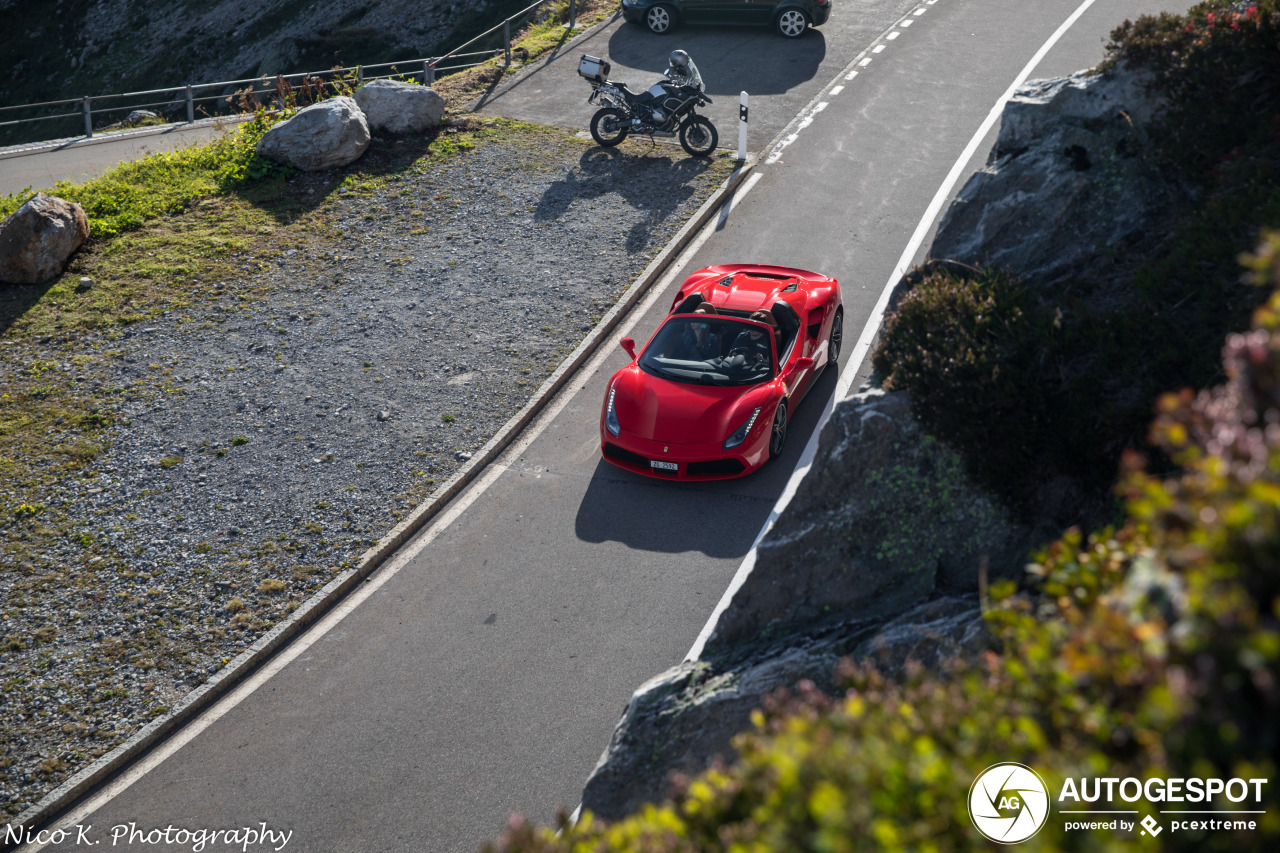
(71, 48)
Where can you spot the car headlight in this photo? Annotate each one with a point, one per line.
(611, 416)
(740, 434)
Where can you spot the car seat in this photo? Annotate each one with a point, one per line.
(788, 328)
(692, 301)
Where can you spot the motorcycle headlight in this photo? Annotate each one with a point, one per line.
(611, 416)
(740, 434)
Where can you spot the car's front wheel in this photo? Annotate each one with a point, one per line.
(660, 19)
(793, 22)
(778, 434)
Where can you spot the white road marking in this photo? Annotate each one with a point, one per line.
(873, 323)
(835, 90)
(865, 62)
(851, 75)
(918, 12)
(893, 35)
(406, 554)
(905, 23)
(877, 48)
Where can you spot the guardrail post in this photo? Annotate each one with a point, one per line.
(573, 15)
(742, 126)
(428, 72)
(359, 76)
(191, 104)
(506, 38)
(88, 117)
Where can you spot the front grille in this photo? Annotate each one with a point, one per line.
(613, 451)
(714, 468)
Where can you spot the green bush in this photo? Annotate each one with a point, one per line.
(1218, 66)
(166, 183)
(1148, 651)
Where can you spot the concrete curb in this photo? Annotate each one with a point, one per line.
(64, 796)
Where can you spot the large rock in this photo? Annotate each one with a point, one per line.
(37, 239)
(885, 517)
(400, 107)
(1067, 178)
(326, 135)
(680, 721)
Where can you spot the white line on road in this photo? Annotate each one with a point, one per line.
(873, 323)
(406, 554)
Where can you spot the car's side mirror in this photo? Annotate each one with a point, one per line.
(803, 364)
(630, 346)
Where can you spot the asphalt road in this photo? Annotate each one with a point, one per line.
(77, 160)
(482, 671)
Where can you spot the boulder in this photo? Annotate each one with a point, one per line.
(1068, 176)
(885, 518)
(326, 135)
(683, 719)
(37, 239)
(400, 107)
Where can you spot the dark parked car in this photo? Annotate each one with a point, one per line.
(791, 17)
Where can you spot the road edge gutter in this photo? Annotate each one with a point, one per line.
(195, 703)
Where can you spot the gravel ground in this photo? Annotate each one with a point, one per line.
(264, 438)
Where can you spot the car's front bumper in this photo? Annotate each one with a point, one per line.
(633, 14)
(708, 461)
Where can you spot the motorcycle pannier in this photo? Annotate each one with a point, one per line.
(593, 68)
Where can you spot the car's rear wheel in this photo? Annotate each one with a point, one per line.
(836, 338)
(660, 19)
(609, 126)
(793, 22)
(778, 434)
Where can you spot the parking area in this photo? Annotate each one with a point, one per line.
(781, 75)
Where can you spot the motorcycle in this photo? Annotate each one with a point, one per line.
(666, 109)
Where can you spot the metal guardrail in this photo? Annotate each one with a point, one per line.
(269, 85)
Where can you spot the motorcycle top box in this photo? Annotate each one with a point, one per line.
(593, 68)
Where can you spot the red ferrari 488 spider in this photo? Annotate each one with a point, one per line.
(711, 393)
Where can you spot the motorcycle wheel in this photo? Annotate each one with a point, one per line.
(698, 136)
(609, 127)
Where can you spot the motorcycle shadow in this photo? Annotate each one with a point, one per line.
(655, 183)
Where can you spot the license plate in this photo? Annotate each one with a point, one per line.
(663, 466)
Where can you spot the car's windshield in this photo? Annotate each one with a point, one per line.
(710, 350)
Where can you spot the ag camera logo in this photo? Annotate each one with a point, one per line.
(1009, 803)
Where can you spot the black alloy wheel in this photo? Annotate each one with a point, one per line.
(609, 126)
(778, 435)
(836, 338)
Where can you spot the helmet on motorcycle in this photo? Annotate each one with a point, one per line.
(679, 59)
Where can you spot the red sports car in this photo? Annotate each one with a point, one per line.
(710, 395)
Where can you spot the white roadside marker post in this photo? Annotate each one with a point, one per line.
(742, 126)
